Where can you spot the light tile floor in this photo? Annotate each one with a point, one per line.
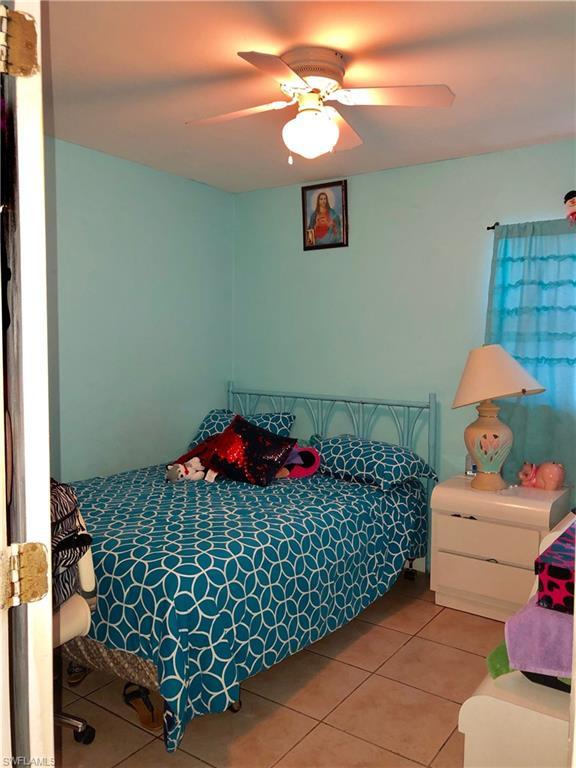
(382, 692)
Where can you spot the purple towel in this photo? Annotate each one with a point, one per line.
(540, 640)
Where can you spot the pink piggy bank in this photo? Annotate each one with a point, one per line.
(549, 476)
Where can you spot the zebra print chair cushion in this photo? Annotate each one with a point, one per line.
(70, 541)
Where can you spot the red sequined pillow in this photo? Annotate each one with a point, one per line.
(247, 453)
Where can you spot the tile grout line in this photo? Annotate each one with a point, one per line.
(131, 754)
(363, 669)
(374, 744)
(279, 704)
(417, 635)
(447, 645)
(415, 688)
(89, 693)
(335, 727)
(115, 765)
(444, 744)
(384, 626)
(196, 757)
(121, 717)
(154, 737)
(148, 743)
(369, 675)
(296, 744)
(373, 674)
(410, 637)
(454, 647)
(426, 640)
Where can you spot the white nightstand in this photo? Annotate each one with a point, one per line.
(484, 544)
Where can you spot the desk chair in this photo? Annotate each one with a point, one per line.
(72, 619)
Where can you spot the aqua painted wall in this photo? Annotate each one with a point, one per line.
(140, 270)
(394, 314)
(149, 273)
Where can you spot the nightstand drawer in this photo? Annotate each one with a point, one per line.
(518, 546)
(480, 577)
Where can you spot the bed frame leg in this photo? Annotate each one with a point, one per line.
(409, 572)
(236, 706)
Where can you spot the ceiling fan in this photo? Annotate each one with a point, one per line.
(310, 77)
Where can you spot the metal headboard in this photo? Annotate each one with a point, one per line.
(325, 414)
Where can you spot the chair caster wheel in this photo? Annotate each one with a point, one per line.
(85, 736)
(236, 706)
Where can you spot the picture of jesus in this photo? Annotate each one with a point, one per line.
(325, 221)
(324, 213)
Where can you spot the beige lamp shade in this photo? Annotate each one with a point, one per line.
(490, 372)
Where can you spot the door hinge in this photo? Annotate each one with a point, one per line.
(18, 43)
(23, 574)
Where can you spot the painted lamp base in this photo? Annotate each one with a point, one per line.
(488, 481)
(488, 441)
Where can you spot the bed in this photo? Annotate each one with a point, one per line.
(202, 585)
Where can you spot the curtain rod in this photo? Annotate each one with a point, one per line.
(496, 224)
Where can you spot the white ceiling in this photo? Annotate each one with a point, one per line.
(124, 77)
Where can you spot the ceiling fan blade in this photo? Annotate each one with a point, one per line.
(348, 136)
(241, 113)
(395, 96)
(275, 67)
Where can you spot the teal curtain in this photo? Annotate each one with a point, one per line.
(532, 314)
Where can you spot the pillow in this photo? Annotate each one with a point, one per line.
(247, 453)
(370, 461)
(218, 419)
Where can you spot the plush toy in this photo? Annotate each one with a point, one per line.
(301, 462)
(570, 206)
(549, 476)
(189, 470)
(308, 464)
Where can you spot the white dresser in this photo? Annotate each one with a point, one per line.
(484, 544)
(513, 722)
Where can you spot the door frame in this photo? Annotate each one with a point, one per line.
(30, 662)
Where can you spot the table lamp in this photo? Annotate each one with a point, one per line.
(490, 372)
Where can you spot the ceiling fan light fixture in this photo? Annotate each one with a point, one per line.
(322, 84)
(311, 133)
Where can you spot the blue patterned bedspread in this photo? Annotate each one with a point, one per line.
(214, 582)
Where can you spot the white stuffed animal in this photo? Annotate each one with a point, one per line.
(191, 470)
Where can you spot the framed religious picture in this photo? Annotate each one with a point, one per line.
(325, 215)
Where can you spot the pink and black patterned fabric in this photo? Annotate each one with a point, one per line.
(555, 571)
(246, 452)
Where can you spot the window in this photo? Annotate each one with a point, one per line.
(532, 314)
